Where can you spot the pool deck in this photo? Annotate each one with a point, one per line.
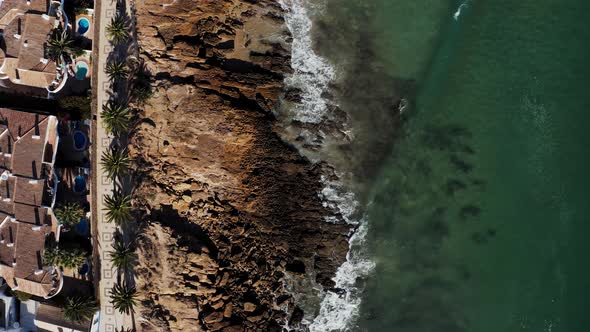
(65, 188)
(69, 154)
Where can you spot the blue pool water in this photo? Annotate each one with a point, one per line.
(83, 25)
(82, 227)
(80, 141)
(81, 71)
(79, 184)
(84, 269)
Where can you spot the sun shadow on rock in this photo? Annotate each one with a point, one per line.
(188, 234)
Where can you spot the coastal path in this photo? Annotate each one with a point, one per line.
(110, 318)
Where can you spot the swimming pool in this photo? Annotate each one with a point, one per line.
(80, 141)
(82, 227)
(79, 184)
(84, 269)
(83, 25)
(81, 70)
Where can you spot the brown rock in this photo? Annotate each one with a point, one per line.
(222, 198)
(249, 307)
(228, 310)
(217, 305)
(214, 317)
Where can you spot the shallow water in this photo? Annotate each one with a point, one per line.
(476, 214)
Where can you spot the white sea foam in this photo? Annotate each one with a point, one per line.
(458, 12)
(311, 73)
(337, 198)
(338, 311)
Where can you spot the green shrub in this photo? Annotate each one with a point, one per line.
(77, 106)
(22, 296)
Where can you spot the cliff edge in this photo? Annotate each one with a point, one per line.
(228, 210)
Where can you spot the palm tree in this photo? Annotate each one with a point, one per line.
(123, 298)
(118, 207)
(79, 309)
(69, 214)
(72, 258)
(118, 30)
(115, 163)
(59, 44)
(123, 329)
(117, 70)
(141, 93)
(116, 117)
(68, 258)
(123, 256)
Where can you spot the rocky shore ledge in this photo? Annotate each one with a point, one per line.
(228, 210)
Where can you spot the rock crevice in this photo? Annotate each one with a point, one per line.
(227, 208)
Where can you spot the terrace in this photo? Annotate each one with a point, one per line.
(30, 61)
(26, 27)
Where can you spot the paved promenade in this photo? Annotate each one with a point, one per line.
(110, 318)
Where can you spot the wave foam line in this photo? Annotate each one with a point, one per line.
(339, 311)
(458, 12)
(312, 74)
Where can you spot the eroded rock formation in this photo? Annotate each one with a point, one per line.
(227, 207)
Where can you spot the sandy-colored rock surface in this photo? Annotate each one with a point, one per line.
(227, 208)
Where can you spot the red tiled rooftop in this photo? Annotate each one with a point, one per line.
(33, 215)
(21, 198)
(37, 6)
(32, 44)
(28, 191)
(29, 248)
(26, 30)
(19, 123)
(7, 236)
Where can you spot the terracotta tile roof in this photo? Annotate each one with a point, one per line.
(11, 43)
(55, 316)
(29, 191)
(5, 140)
(26, 30)
(27, 132)
(33, 215)
(32, 43)
(7, 236)
(37, 6)
(23, 243)
(19, 123)
(24, 222)
(7, 188)
(27, 157)
(31, 287)
(30, 244)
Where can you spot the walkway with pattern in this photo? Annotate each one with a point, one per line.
(110, 318)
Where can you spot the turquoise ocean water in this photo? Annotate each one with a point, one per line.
(478, 210)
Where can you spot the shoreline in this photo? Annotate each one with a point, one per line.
(319, 116)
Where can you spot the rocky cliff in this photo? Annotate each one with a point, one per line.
(228, 210)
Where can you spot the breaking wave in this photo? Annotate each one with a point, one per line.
(313, 74)
(458, 12)
(339, 310)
